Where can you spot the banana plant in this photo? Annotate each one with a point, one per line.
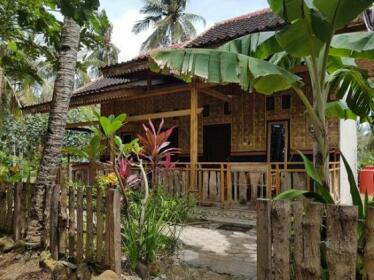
(311, 36)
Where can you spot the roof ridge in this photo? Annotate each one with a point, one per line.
(248, 15)
(230, 20)
(89, 83)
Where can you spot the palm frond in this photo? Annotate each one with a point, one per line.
(193, 18)
(145, 23)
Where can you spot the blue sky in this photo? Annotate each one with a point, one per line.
(124, 13)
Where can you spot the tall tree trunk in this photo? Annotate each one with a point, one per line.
(62, 92)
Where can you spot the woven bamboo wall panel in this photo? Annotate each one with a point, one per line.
(249, 118)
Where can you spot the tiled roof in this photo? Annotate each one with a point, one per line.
(99, 85)
(262, 20)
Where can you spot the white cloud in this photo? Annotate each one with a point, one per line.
(124, 39)
(129, 43)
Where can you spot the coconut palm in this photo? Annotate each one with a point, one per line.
(104, 52)
(170, 22)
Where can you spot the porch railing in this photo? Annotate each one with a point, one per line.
(230, 183)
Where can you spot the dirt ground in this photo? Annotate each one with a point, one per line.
(15, 266)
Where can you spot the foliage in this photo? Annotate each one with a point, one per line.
(308, 38)
(170, 21)
(365, 149)
(143, 242)
(104, 53)
(14, 169)
(108, 180)
(156, 147)
(23, 136)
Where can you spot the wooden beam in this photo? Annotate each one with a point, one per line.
(123, 93)
(161, 115)
(194, 138)
(216, 94)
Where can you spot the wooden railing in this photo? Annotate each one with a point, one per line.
(230, 183)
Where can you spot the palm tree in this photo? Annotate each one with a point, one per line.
(104, 52)
(171, 23)
(63, 89)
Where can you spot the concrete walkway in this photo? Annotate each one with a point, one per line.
(222, 251)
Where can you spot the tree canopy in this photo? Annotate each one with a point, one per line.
(170, 21)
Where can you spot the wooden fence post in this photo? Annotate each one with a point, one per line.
(2, 207)
(80, 236)
(89, 223)
(63, 218)
(264, 239)
(72, 205)
(113, 231)
(341, 245)
(54, 230)
(281, 231)
(99, 225)
(17, 211)
(307, 232)
(9, 214)
(369, 248)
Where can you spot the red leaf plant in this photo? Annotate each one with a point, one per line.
(156, 147)
(124, 170)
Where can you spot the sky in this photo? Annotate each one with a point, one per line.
(124, 13)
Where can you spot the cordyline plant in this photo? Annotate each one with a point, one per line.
(261, 62)
(156, 148)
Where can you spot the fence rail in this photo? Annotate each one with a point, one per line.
(291, 237)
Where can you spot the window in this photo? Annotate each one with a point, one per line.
(226, 108)
(286, 101)
(277, 142)
(206, 110)
(269, 103)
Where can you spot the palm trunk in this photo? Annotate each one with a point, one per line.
(63, 89)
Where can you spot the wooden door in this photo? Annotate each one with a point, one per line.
(217, 142)
(277, 149)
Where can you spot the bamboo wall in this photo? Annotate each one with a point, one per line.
(248, 119)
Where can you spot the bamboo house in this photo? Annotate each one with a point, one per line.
(235, 146)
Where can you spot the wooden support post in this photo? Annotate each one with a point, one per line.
(113, 231)
(264, 239)
(194, 138)
(222, 186)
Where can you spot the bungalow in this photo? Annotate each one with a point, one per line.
(235, 146)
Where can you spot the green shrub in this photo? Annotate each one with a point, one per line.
(159, 234)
